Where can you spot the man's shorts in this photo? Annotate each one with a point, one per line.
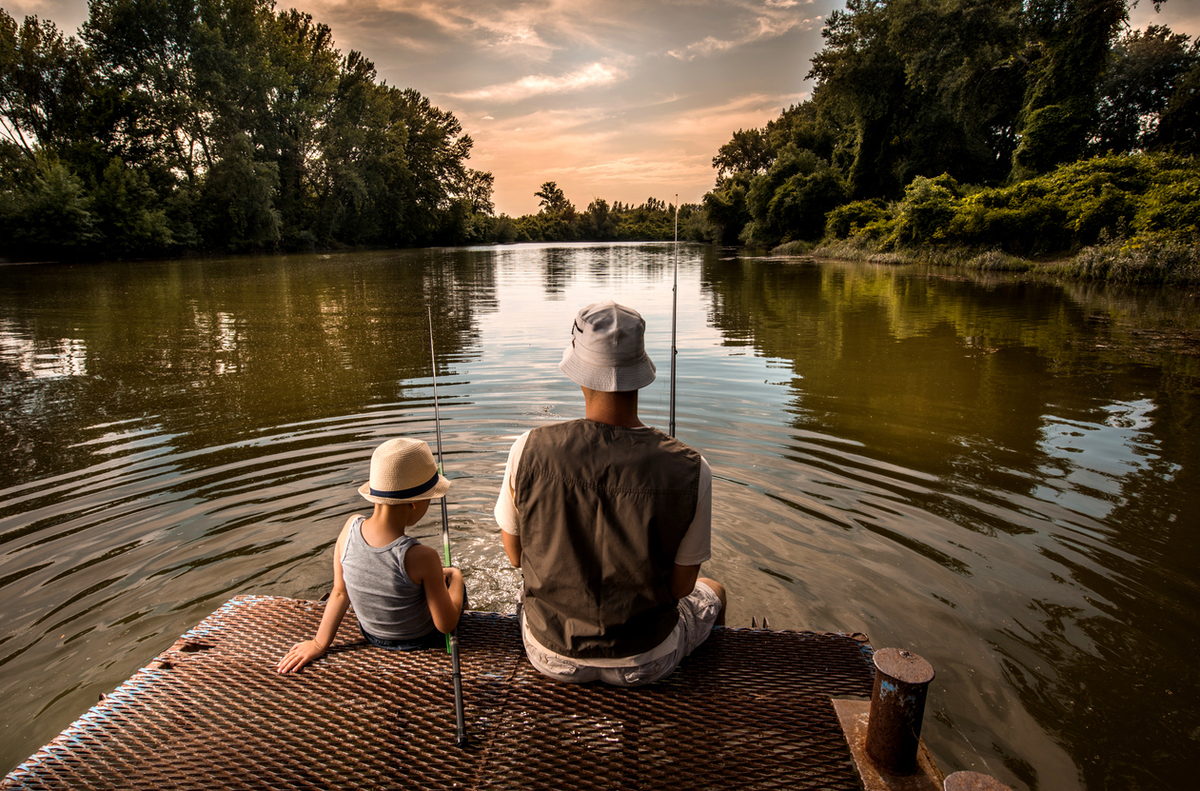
(697, 614)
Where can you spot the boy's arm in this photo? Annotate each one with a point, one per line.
(424, 567)
(335, 609)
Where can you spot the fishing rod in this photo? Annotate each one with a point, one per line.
(452, 638)
(674, 312)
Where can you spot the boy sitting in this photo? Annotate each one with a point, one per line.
(403, 597)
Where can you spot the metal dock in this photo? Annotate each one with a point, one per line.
(750, 709)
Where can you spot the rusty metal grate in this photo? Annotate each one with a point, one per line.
(750, 709)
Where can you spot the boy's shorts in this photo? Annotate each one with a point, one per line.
(697, 614)
(434, 639)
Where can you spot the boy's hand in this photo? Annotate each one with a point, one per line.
(450, 573)
(300, 655)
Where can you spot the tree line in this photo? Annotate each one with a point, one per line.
(1030, 126)
(169, 127)
(172, 126)
(557, 220)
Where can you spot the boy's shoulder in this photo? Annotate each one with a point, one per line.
(421, 560)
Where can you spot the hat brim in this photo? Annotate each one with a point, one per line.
(607, 379)
(436, 492)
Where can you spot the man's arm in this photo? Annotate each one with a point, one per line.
(512, 548)
(696, 546)
(507, 516)
(683, 579)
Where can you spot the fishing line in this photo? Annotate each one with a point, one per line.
(674, 312)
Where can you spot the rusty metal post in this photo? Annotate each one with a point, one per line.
(897, 706)
(973, 781)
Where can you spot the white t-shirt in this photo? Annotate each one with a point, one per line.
(694, 549)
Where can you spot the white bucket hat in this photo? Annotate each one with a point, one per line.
(608, 350)
(403, 471)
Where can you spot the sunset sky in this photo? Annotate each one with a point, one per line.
(622, 100)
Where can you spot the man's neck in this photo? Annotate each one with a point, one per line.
(615, 409)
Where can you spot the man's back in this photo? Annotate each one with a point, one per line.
(603, 511)
(609, 521)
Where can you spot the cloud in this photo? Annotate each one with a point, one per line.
(67, 15)
(593, 75)
(772, 20)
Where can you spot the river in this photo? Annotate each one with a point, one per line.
(997, 473)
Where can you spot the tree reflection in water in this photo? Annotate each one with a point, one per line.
(997, 473)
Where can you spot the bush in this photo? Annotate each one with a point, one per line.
(924, 216)
(791, 199)
(1171, 208)
(49, 216)
(853, 218)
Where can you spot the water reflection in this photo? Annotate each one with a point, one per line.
(47, 360)
(997, 473)
(977, 413)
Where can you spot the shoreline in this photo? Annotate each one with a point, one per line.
(1155, 262)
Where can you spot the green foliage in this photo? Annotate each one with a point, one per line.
(128, 214)
(1144, 70)
(237, 201)
(926, 210)
(747, 152)
(234, 126)
(914, 98)
(1143, 196)
(1179, 126)
(726, 208)
(850, 219)
(557, 221)
(1170, 207)
(791, 199)
(1070, 43)
(48, 215)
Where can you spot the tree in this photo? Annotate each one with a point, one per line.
(553, 201)
(861, 78)
(596, 222)
(238, 199)
(49, 215)
(1069, 47)
(222, 124)
(1144, 70)
(791, 199)
(44, 82)
(1179, 126)
(747, 152)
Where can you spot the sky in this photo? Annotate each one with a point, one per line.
(617, 99)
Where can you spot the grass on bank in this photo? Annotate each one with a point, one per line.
(1170, 262)
(1121, 219)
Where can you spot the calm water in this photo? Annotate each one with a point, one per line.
(996, 474)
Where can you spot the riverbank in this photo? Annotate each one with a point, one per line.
(1150, 262)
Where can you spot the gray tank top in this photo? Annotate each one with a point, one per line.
(388, 604)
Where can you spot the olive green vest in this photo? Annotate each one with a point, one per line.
(602, 512)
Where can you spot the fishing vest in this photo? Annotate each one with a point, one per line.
(602, 512)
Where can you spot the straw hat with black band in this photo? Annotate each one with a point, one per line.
(403, 471)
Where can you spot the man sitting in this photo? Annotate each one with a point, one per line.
(609, 521)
